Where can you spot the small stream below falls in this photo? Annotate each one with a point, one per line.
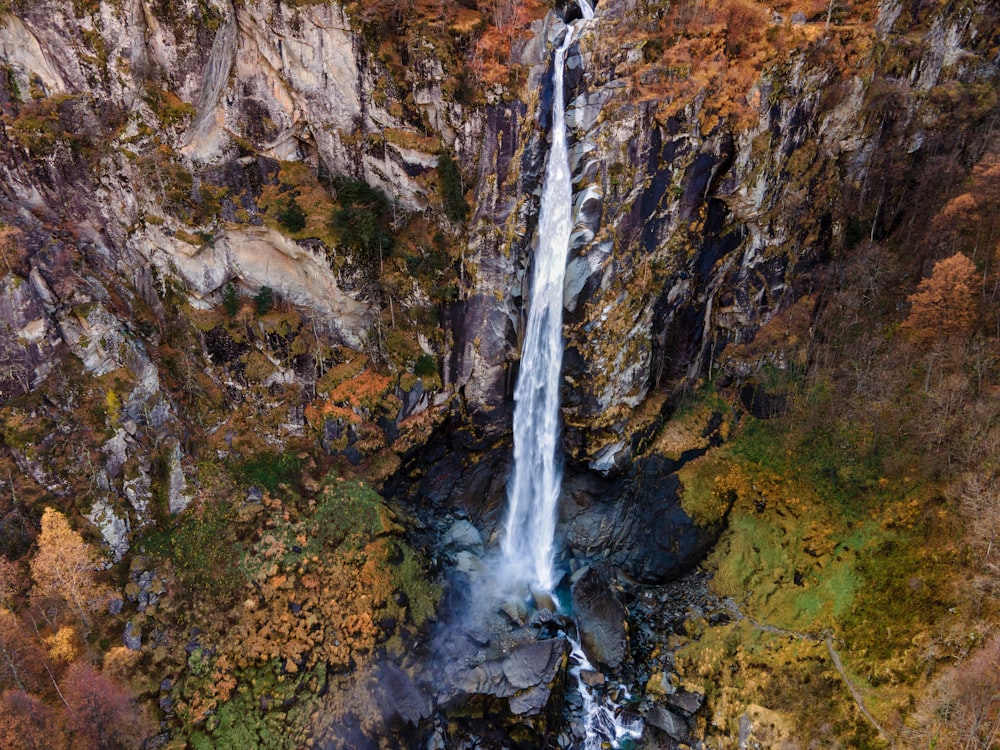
(535, 483)
(516, 663)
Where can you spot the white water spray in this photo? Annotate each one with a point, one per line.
(536, 478)
(603, 719)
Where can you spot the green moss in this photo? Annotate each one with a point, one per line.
(268, 470)
(450, 182)
(908, 588)
(426, 366)
(268, 710)
(204, 551)
(349, 513)
(411, 578)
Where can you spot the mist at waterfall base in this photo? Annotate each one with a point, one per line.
(528, 544)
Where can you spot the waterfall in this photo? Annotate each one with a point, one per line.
(536, 477)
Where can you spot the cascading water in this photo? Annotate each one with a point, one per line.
(604, 722)
(536, 478)
(533, 488)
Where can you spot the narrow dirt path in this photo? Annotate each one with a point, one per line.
(835, 657)
(735, 610)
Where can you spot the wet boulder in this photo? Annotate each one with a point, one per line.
(520, 691)
(600, 617)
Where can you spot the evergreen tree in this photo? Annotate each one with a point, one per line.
(450, 182)
(230, 300)
(292, 217)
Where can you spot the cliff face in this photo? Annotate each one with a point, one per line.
(698, 219)
(139, 139)
(142, 138)
(203, 293)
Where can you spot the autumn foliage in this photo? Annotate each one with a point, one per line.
(945, 303)
(20, 656)
(509, 22)
(27, 723)
(64, 567)
(104, 714)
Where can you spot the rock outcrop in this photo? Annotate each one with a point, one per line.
(601, 619)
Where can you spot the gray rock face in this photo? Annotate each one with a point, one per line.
(685, 239)
(600, 617)
(28, 341)
(525, 685)
(674, 726)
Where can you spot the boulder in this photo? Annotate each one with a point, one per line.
(685, 703)
(520, 691)
(463, 536)
(600, 618)
(132, 637)
(675, 727)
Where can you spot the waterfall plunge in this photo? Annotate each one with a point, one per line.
(536, 478)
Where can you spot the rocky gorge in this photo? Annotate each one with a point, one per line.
(265, 288)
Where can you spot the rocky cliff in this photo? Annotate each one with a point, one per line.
(200, 270)
(698, 219)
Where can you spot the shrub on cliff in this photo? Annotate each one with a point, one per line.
(292, 217)
(362, 220)
(450, 182)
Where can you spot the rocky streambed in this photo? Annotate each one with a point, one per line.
(496, 670)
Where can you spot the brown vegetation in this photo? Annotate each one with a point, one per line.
(64, 567)
(945, 303)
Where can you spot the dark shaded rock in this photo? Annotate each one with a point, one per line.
(761, 403)
(521, 691)
(400, 700)
(549, 622)
(412, 399)
(636, 521)
(685, 702)
(674, 726)
(531, 665)
(349, 735)
(658, 540)
(600, 617)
